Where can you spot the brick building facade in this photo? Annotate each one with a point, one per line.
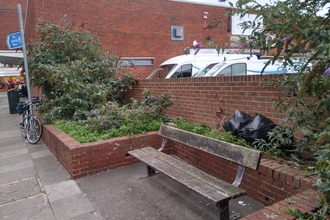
(137, 30)
(9, 19)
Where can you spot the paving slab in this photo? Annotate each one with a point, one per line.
(11, 131)
(19, 189)
(13, 153)
(62, 190)
(9, 141)
(40, 154)
(36, 147)
(15, 159)
(50, 170)
(37, 213)
(17, 175)
(94, 215)
(16, 146)
(44, 213)
(19, 207)
(16, 166)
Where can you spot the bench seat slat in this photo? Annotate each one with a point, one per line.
(245, 156)
(163, 165)
(221, 185)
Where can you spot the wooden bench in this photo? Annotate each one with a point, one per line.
(199, 181)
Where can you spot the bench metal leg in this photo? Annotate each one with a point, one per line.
(222, 210)
(150, 172)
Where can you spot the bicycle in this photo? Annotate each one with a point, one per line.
(30, 125)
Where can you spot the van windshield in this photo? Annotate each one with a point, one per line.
(214, 69)
(162, 71)
(203, 71)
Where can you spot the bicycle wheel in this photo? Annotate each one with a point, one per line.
(22, 125)
(33, 130)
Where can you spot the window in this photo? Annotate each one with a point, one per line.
(137, 61)
(214, 69)
(202, 72)
(226, 71)
(237, 69)
(183, 71)
(162, 71)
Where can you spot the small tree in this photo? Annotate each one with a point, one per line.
(72, 71)
(298, 27)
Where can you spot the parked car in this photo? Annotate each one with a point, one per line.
(247, 67)
(188, 65)
(204, 70)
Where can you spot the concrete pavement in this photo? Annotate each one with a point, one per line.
(34, 185)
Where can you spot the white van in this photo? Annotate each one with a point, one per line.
(246, 67)
(188, 65)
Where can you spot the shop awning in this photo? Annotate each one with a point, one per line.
(11, 57)
(9, 72)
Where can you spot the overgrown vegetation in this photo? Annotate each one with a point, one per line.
(280, 143)
(114, 120)
(84, 86)
(297, 26)
(202, 129)
(74, 74)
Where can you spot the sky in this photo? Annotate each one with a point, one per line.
(235, 19)
(226, 3)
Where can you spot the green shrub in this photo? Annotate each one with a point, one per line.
(202, 129)
(297, 26)
(114, 120)
(74, 74)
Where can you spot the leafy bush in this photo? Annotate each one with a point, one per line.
(114, 120)
(297, 26)
(151, 105)
(202, 129)
(74, 74)
(198, 128)
(280, 143)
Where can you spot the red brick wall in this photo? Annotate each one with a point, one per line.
(60, 144)
(87, 159)
(135, 28)
(272, 182)
(305, 202)
(198, 99)
(9, 19)
(30, 22)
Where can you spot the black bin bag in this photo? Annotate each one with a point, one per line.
(258, 128)
(236, 123)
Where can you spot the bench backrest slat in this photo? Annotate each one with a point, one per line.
(241, 155)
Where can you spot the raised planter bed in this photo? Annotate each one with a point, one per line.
(87, 159)
(271, 183)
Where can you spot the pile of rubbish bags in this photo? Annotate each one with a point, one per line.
(248, 127)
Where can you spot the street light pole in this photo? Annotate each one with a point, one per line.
(24, 55)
